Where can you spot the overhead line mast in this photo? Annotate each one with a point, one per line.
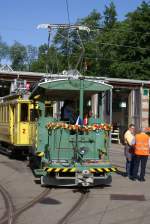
(67, 26)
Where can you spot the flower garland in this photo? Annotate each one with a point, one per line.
(76, 127)
(147, 130)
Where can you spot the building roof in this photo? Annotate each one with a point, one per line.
(6, 68)
(36, 76)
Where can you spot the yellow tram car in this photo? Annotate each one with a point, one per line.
(17, 124)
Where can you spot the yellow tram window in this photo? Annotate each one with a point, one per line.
(15, 112)
(4, 113)
(23, 112)
(7, 113)
(0, 113)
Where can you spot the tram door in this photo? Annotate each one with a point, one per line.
(23, 116)
(34, 115)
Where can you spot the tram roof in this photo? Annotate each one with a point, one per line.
(53, 87)
(14, 97)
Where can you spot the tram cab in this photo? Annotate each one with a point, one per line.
(17, 124)
(67, 153)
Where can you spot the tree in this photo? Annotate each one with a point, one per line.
(18, 56)
(134, 49)
(40, 64)
(68, 42)
(111, 49)
(48, 60)
(4, 49)
(110, 16)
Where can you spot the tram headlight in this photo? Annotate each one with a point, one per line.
(83, 150)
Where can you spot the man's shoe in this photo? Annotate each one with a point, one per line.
(142, 179)
(132, 178)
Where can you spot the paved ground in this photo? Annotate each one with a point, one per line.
(124, 202)
(102, 207)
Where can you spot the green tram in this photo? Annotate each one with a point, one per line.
(67, 153)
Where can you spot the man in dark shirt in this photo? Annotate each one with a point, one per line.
(67, 112)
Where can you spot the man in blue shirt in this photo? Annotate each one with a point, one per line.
(67, 112)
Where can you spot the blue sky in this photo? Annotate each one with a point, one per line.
(19, 18)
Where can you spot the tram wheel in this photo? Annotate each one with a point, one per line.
(34, 162)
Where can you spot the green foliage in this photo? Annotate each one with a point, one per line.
(40, 64)
(110, 15)
(111, 48)
(133, 37)
(18, 56)
(92, 20)
(49, 60)
(4, 49)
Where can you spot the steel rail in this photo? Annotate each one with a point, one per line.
(32, 202)
(14, 214)
(66, 218)
(8, 216)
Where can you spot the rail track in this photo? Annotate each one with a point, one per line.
(67, 217)
(11, 214)
(8, 215)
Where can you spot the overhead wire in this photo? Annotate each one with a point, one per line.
(68, 37)
(80, 58)
(106, 59)
(94, 29)
(113, 60)
(106, 43)
(111, 44)
(122, 45)
(67, 5)
(48, 46)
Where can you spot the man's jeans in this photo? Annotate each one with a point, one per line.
(140, 161)
(129, 160)
(129, 166)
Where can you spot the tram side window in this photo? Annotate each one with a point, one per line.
(48, 110)
(24, 112)
(35, 114)
(8, 113)
(15, 113)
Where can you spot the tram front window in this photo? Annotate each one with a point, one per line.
(48, 109)
(24, 112)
